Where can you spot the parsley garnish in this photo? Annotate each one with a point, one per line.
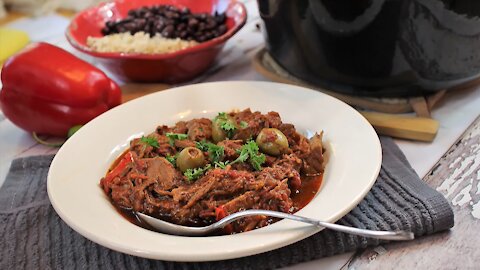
(215, 152)
(250, 151)
(175, 136)
(150, 141)
(226, 123)
(257, 161)
(194, 174)
(222, 164)
(172, 159)
(202, 145)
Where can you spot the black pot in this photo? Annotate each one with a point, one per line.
(375, 47)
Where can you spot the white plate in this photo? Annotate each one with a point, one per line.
(73, 179)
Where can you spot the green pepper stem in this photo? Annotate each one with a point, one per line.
(43, 142)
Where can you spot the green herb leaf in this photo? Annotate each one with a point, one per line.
(175, 136)
(243, 155)
(226, 123)
(172, 159)
(194, 174)
(221, 164)
(228, 126)
(215, 152)
(202, 145)
(243, 124)
(250, 151)
(257, 161)
(150, 141)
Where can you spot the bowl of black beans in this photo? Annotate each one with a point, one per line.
(156, 40)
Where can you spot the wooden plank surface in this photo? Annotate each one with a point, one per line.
(404, 127)
(457, 177)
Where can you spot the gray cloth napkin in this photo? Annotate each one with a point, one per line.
(34, 237)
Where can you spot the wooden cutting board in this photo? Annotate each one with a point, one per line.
(134, 90)
(382, 114)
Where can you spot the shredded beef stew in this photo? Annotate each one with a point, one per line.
(199, 171)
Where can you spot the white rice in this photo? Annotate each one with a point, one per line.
(138, 43)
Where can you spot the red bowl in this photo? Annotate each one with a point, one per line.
(172, 67)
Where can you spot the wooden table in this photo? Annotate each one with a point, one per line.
(456, 174)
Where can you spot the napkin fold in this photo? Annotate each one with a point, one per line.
(34, 237)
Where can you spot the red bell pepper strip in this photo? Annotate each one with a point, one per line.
(47, 90)
(221, 213)
(106, 181)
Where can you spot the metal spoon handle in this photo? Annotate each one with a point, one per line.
(384, 235)
(170, 228)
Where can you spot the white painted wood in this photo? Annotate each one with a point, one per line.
(457, 176)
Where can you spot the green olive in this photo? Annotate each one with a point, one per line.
(190, 158)
(272, 141)
(218, 133)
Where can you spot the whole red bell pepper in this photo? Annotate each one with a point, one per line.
(47, 90)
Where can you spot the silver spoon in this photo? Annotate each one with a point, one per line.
(170, 228)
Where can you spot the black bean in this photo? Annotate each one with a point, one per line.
(172, 15)
(209, 35)
(131, 12)
(222, 29)
(190, 31)
(210, 24)
(121, 29)
(138, 13)
(201, 16)
(130, 27)
(201, 26)
(181, 27)
(109, 24)
(105, 31)
(148, 14)
(151, 21)
(168, 31)
(183, 34)
(159, 23)
(149, 29)
(155, 9)
(141, 23)
(159, 27)
(193, 23)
